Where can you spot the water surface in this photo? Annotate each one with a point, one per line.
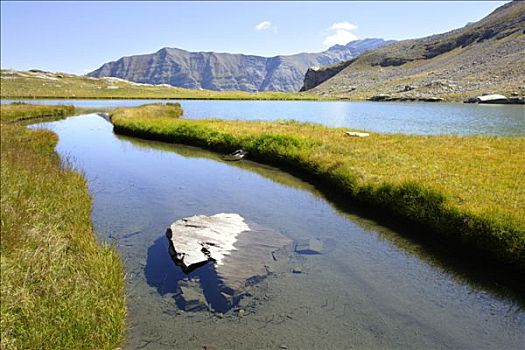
(364, 291)
(389, 117)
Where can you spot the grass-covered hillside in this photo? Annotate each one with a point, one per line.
(466, 189)
(40, 84)
(60, 289)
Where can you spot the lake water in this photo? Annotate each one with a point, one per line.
(389, 117)
(369, 288)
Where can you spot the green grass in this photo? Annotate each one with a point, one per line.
(152, 111)
(33, 85)
(60, 289)
(466, 190)
(21, 111)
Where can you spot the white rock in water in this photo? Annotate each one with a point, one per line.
(240, 251)
(200, 238)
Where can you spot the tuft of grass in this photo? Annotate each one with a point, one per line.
(467, 190)
(60, 289)
(153, 110)
(20, 111)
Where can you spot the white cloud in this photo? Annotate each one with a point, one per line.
(340, 33)
(264, 25)
(343, 26)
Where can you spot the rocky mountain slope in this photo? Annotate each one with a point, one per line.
(483, 57)
(224, 71)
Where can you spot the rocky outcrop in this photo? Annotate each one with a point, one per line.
(315, 76)
(404, 98)
(224, 71)
(479, 58)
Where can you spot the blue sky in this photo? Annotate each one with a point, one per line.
(78, 37)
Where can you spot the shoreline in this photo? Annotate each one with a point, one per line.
(61, 288)
(298, 99)
(173, 98)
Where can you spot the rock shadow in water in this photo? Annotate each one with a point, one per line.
(162, 273)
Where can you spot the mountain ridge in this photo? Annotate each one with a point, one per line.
(225, 71)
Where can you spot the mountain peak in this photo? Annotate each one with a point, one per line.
(224, 71)
(362, 45)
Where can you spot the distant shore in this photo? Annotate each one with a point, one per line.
(47, 85)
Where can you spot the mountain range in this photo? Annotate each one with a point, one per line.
(225, 71)
(484, 57)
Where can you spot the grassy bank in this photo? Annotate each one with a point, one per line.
(38, 85)
(466, 190)
(60, 289)
(21, 111)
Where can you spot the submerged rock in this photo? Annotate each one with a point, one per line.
(297, 270)
(192, 295)
(309, 246)
(241, 253)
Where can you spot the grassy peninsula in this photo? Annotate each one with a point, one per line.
(21, 111)
(466, 190)
(60, 289)
(38, 84)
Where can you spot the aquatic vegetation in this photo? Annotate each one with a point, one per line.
(60, 289)
(465, 189)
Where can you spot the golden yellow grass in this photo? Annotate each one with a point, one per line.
(59, 85)
(479, 178)
(21, 111)
(60, 289)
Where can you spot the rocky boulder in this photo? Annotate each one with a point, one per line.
(240, 252)
(489, 99)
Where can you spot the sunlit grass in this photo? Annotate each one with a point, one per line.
(467, 189)
(59, 85)
(21, 111)
(168, 110)
(60, 289)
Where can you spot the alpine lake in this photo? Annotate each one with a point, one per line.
(365, 285)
